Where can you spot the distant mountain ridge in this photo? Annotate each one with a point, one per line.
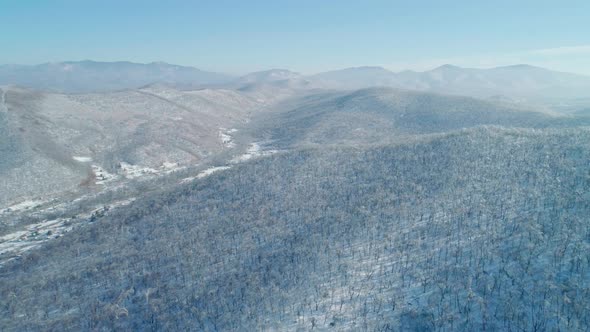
(268, 203)
(93, 76)
(269, 76)
(519, 81)
(512, 81)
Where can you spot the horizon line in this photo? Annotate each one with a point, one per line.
(381, 67)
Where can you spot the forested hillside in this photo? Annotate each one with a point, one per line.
(52, 143)
(370, 166)
(385, 115)
(477, 229)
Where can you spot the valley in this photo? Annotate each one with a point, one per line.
(337, 166)
(272, 203)
(409, 236)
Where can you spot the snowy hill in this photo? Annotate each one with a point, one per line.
(386, 115)
(54, 142)
(481, 229)
(276, 205)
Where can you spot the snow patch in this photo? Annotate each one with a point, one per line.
(168, 165)
(102, 176)
(82, 159)
(129, 171)
(254, 151)
(205, 173)
(211, 170)
(226, 137)
(14, 244)
(135, 171)
(13, 236)
(26, 205)
(33, 235)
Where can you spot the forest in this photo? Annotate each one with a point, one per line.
(477, 229)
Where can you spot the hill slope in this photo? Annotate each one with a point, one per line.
(54, 142)
(478, 229)
(379, 115)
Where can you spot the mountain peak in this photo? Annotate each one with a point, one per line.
(447, 67)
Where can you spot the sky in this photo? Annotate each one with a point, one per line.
(302, 35)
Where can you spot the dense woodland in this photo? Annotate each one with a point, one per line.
(478, 229)
(385, 115)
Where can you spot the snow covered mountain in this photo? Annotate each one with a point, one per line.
(281, 202)
(518, 81)
(53, 142)
(93, 76)
(477, 229)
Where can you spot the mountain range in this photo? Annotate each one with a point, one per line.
(518, 82)
(158, 197)
(93, 76)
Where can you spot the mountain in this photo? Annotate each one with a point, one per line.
(354, 78)
(275, 205)
(92, 76)
(268, 76)
(387, 115)
(478, 229)
(271, 85)
(53, 142)
(518, 81)
(524, 83)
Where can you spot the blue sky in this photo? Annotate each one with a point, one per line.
(302, 35)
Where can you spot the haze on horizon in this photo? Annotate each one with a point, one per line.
(305, 36)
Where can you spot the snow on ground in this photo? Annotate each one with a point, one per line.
(253, 151)
(82, 159)
(26, 205)
(226, 138)
(134, 171)
(3, 107)
(189, 179)
(169, 165)
(211, 170)
(14, 244)
(102, 176)
(129, 171)
(12, 237)
(205, 173)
